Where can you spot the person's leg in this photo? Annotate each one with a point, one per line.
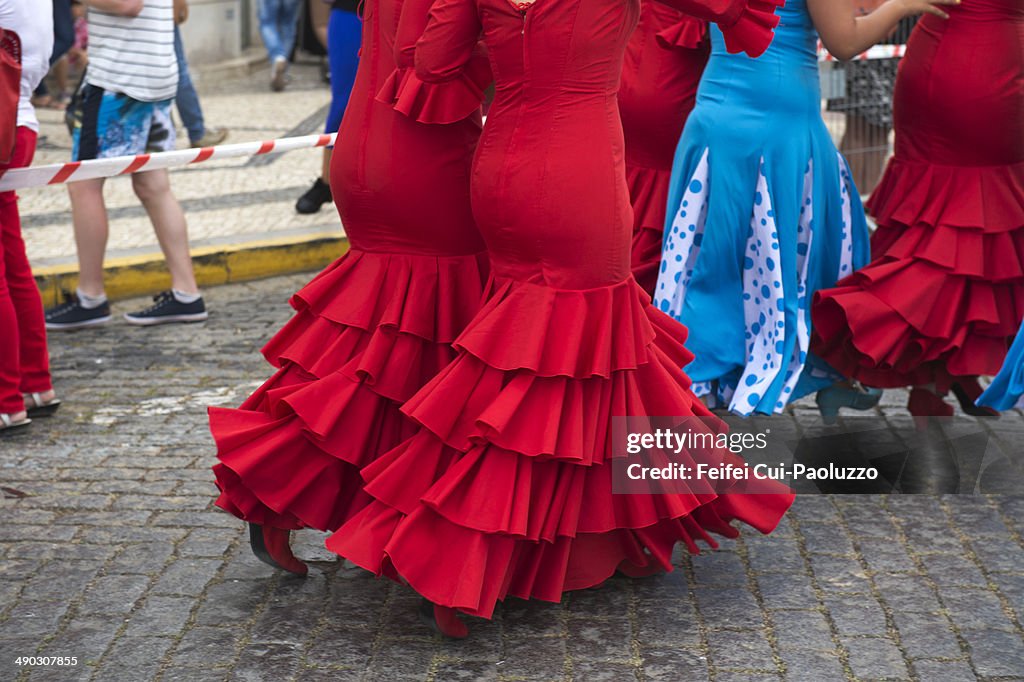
(30, 328)
(268, 13)
(288, 26)
(89, 220)
(10, 357)
(63, 29)
(186, 98)
(153, 188)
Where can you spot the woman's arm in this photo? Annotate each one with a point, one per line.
(846, 35)
(411, 25)
(449, 40)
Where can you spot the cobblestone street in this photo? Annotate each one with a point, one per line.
(111, 551)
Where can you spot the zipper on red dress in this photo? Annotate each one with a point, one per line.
(522, 13)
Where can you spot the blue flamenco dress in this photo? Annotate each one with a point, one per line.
(762, 212)
(1007, 388)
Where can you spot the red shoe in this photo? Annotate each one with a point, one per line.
(271, 546)
(443, 620)
(967, 392)
(924, 404)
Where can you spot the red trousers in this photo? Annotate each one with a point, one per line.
(24, 360)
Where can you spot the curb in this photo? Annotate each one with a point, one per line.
(146, 274)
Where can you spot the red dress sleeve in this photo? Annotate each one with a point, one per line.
(748, 25)
(453, 98)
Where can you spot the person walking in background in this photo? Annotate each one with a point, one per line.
(763, 212)
(344, 31)
(186, 99)
(944, 293)
(278, 27)
(26, 389)
(62, 40)
(123, 109)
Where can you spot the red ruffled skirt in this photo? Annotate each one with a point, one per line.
(506, 489)
(944, 295)
(648, 193)
(369, 332)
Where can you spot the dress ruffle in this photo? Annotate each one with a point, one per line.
(753, 30)
(648, 192)
(945, 292)
(436, 103)
(369, 332)
(688, 33)
(563, 332)
(512, 473)
(979, 198)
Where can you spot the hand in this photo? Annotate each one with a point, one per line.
(180, 11)
(912, 7)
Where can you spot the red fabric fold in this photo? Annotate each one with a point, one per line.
(648, 192)
(369, 332)
(754, 29)
(688, 33)
(511, 472)
(437, 103)
(945, 293)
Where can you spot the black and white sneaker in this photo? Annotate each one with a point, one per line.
(73, 315)
(166, 309)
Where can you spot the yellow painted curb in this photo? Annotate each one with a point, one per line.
(146, 274)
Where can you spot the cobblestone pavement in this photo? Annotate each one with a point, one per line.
(112, 552)
(234, 199)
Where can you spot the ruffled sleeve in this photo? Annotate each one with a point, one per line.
(437, 103)
(686, 34)
(455, 94)
(748, 25)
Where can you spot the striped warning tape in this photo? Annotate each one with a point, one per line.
(876, 52)
(55, 174)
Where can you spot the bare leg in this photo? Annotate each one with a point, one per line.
(325, 170)
(89, 217)
(154, 191)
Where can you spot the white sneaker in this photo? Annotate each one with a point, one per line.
(278, 74)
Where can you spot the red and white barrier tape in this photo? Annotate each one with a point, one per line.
(55, 174)
(876, 52)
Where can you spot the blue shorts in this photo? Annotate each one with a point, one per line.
(105, 124)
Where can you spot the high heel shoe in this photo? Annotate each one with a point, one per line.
(856, 397)
(271, 546)
(442, 620)
(967, 392)
(924, 404)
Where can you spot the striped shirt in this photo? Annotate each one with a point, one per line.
(134, 55)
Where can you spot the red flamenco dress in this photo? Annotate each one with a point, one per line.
(506, 489)
(944, 295)
(378, 323)
(664, 61)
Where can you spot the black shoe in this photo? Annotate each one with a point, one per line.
(73, 315)
(166, 308)
(315, 197)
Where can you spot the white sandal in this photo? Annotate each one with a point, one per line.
(6, 423)
(37, 407)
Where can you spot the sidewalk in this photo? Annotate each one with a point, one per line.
(236, 206)
(111, 551)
